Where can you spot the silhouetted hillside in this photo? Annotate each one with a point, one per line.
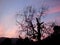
(15, 41)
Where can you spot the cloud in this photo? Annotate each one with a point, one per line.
(53, 10)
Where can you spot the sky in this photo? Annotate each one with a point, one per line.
(9, 9)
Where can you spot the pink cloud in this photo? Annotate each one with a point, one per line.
(53, 10)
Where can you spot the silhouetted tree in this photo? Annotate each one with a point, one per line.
(56, 29)
(29, 15)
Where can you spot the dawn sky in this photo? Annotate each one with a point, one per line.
(9, 9)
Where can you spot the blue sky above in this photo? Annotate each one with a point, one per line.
(9, 8)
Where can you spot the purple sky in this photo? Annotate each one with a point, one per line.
(9, 9)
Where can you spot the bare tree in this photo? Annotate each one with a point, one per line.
(29, 14)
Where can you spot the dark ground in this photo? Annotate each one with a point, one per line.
(16, 41)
